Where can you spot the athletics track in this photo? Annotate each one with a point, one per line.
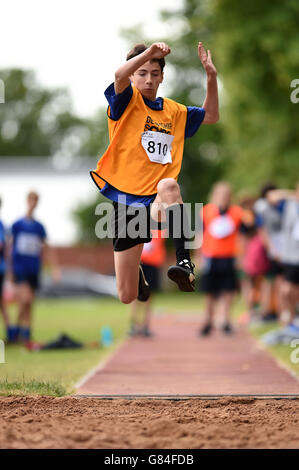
(176, 362)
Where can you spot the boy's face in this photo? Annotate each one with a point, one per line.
(147, 79)
(32, 201)
(222, 196)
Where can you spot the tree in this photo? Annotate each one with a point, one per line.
(255, 48)
(38, 122)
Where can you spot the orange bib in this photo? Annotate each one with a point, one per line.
(154, 252)
(145, 146)
(220, 231)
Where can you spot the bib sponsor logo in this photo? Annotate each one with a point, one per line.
(151, 125)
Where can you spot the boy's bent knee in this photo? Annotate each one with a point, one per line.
(127, 297)
(126, 300)
(168, 184)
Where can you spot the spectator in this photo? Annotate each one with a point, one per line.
(290, 251)
(253, 259)
(269, 219)
(221, 224)
(28, 243)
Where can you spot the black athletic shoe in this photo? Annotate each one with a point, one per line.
(206, 330)
(183, 275)
(227, 329)
(143, 287)
(146, 332)
(133, 331)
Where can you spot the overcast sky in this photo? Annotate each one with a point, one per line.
(75, 43)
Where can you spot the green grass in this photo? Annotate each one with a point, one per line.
(32, 387)
(55, 373)
(280, 351)
(58, 371)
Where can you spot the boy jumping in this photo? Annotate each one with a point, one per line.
(143, 160)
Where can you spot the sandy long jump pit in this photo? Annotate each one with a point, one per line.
(172, 391)
(90, 423)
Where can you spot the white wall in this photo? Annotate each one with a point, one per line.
(59, 195)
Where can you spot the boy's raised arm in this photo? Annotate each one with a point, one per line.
(276, 195)
(122, 75)
(210, 104)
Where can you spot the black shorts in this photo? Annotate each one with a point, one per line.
(152, 275)
(218, 275)
(2, 275)
(28, 278)
(291, 273)
(276, 268)
(120, 223)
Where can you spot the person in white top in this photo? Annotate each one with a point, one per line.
(290, 250)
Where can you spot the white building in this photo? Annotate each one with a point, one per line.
(62, 185)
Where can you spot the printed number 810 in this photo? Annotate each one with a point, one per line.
(152, 147)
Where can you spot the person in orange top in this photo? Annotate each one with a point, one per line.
(143, 160)
(221, 224)
(152, 259)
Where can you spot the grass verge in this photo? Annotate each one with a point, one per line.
(282, 352)
(56, 372)
(32, 387)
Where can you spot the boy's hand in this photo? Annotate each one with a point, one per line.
(206, 59)
(158, 50)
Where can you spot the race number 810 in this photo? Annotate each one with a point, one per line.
(151, 148)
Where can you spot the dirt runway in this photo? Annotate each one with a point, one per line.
(89, 423)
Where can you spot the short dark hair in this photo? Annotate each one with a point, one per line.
(138, 49)
(269, 186)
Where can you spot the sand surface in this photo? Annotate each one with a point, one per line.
(89, 423)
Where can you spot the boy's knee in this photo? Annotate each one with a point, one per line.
(26, 303)
(168, 184)
(127, 297)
